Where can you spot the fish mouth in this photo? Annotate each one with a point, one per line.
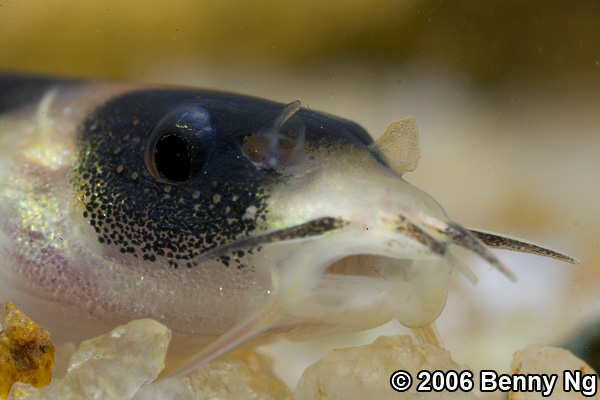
(337, 272)
(328, 269)
(433, 234)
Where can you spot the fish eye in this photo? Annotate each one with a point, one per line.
(178, 145)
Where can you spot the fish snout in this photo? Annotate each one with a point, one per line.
(380, 263)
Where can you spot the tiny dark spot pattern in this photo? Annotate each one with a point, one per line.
(144, 218)
(136, 214)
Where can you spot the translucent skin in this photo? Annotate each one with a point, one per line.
(280, 218)
(53, 261)
(54, 266)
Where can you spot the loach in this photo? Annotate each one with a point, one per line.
(222, 216)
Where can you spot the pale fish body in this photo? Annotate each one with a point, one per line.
(220, 215)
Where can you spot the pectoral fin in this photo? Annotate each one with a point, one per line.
(399, 145)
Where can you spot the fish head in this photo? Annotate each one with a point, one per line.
(370, 258)
(286, 203)
(222, 216)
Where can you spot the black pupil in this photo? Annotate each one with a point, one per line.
(172, 158)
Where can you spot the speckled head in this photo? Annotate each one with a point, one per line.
(220, 215)
(165, 175)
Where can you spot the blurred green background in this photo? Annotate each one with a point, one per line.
(489, 42)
